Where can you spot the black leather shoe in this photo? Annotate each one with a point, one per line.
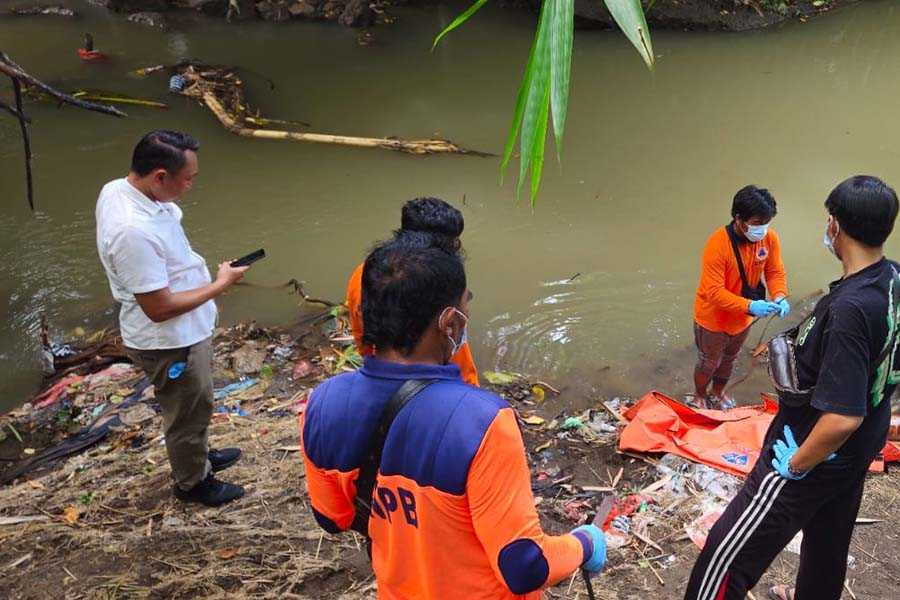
(210, 492)
(224, 458)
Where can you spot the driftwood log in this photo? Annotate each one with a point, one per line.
(222, 92)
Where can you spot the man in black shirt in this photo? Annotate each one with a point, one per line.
(812, 469)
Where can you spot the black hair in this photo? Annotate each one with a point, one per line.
(865, 208)
(405, 286)
(424, 239)
(162, 149)
(751, 201)
(432, 215)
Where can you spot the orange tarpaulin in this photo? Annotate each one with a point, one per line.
(726, 440)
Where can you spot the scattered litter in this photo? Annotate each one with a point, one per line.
(622, 524)
(681, 471)
(137, 414)
(302, 369)
(698, 529)
(533, 420)
(282, 352)
(249, 358)
(232, 410)
(233, 388)
(571, 423)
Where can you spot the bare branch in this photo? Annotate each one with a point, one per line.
(15, 72)
(14, 112)
(26, 140)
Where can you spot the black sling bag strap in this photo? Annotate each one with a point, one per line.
(757, 293)
(368, 470)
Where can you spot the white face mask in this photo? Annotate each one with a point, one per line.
(827, 240)
(756, 233)
(463, 338)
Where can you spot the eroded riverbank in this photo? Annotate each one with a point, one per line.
(709, 15)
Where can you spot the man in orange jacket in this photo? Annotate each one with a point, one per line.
(740, 261)
(427, 215)
(452, 511)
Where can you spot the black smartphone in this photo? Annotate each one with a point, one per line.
(246, 261)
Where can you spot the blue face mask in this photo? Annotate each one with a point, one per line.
(756, 233)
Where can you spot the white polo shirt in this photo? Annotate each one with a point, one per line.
(143, 248)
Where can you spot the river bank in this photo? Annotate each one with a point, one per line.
(709, 15)
(102, 523)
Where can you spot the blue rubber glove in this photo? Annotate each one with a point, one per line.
(762, 308)
(784, 309)
(597, 561)
(784, 451)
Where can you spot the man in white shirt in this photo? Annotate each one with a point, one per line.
(167, 311)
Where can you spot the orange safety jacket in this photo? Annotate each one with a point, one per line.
(463, 357)
(453, 513)
(719, 306)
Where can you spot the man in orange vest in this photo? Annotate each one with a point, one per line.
(447, 502)
(740, 261)
(427, 215)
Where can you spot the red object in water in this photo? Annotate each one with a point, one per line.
(91, 55)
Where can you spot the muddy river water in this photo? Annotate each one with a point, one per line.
(650, 163)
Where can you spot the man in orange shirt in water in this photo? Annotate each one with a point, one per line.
(448, 505)
(427, 215)
(731, 294)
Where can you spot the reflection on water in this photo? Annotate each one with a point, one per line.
(650, 164)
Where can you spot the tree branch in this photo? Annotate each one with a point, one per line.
(15, 72)
(14, 112)
(26, 140)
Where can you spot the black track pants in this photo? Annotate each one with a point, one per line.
(763, 518)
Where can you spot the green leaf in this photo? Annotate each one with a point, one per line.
(458, 21)
(540, 141)
(561, 39)
(534, 118)
(629, 15)
(521, 97)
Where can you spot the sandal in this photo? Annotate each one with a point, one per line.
(781, 592)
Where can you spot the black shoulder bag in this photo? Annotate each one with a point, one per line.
(368, 470)
(757, 293)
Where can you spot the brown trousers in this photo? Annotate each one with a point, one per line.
(187, 406)
(717, 352)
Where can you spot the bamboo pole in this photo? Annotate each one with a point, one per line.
(408, 146)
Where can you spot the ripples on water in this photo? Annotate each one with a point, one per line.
(598, 316)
